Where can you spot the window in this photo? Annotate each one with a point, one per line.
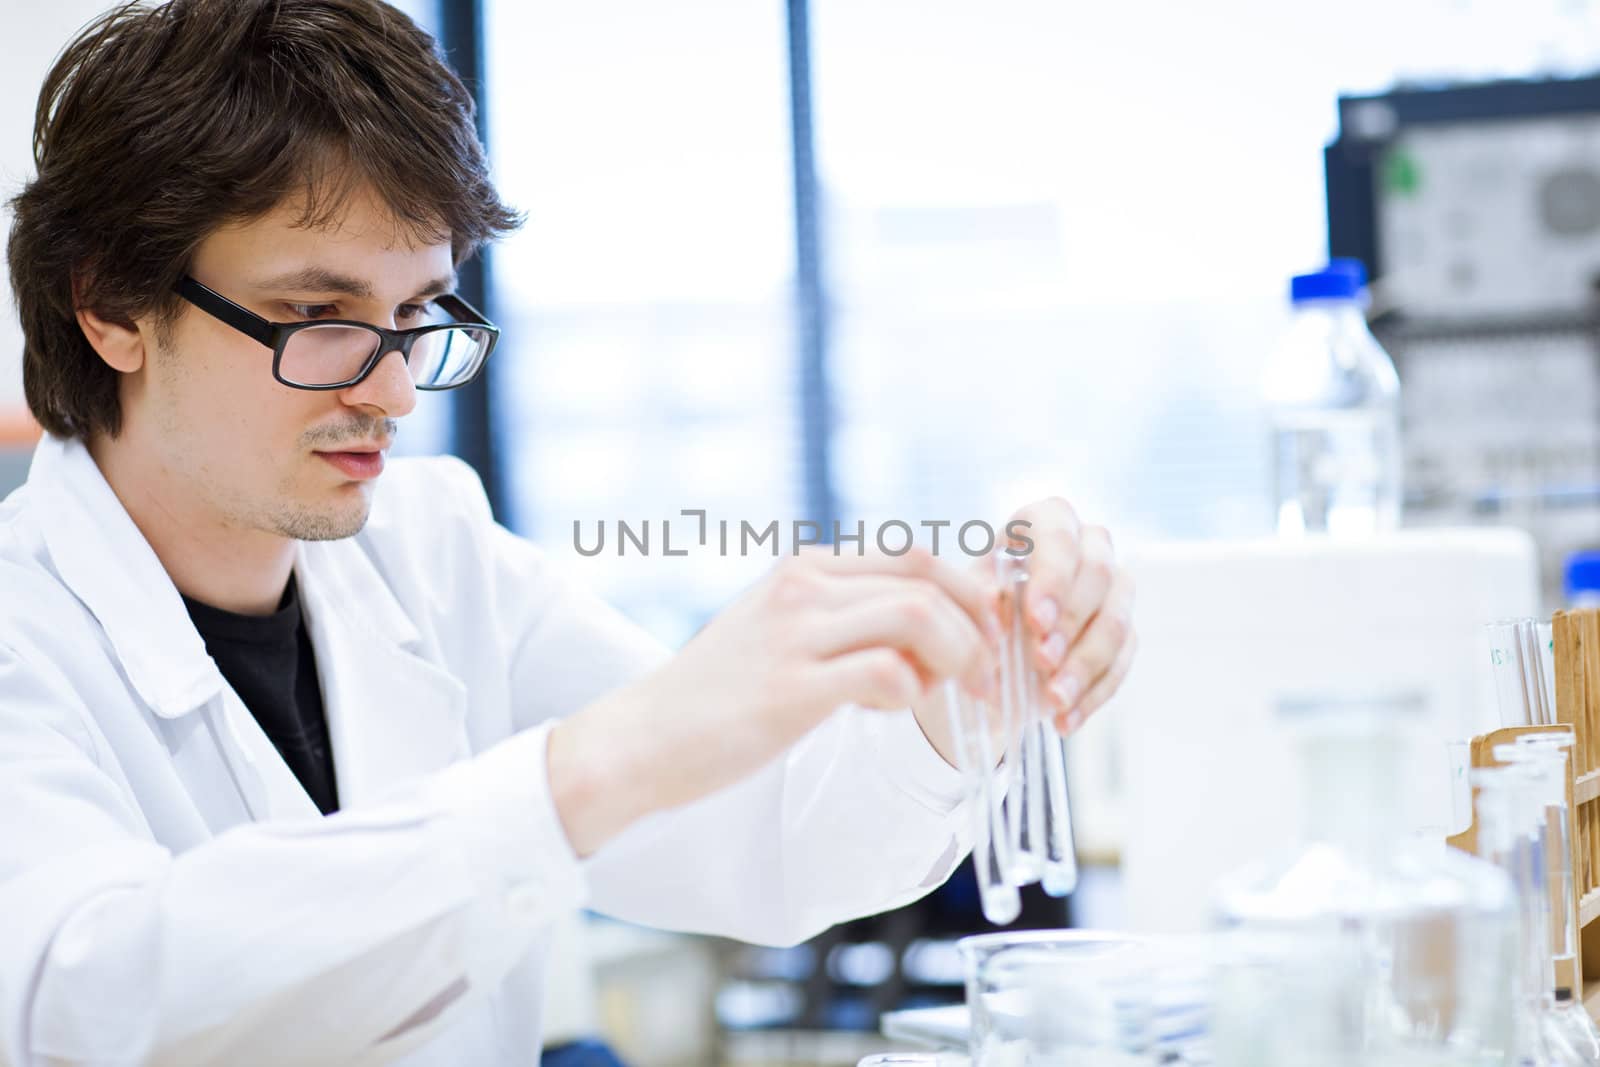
(1056, 240)
(647, 357)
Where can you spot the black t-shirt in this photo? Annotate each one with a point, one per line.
(269, 661)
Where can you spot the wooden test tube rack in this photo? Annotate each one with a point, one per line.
(1568, 976)
(1576, 635)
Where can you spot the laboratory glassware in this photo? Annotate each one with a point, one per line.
(1333, 399)
(1013, 764)
(1363, 944)
(1511, 815)
(1522, 661)
(985, 796)
(1545, 756)
(1038, 808)
(1059, 996)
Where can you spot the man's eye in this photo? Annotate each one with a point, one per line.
(410, 312)
(311, 311)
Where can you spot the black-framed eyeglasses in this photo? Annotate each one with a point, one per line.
(339, 353)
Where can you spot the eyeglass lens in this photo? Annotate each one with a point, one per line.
(332, 354)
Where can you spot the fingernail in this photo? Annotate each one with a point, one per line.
(1074, 720)
(1066, 690)
(1054, 647)
(1047, 613)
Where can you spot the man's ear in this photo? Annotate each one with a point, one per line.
(119, 344)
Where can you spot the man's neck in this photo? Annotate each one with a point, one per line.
(227, 566)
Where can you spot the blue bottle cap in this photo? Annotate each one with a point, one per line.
(1583, 573)
(1350, 265)
(1336, 281)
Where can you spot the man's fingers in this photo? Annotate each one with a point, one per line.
(1055, 530)
(879, 678)
(1087, 588)
(1050, 513)
(1097, 648)
(1102, 691)
(977, 594)
(916, 618)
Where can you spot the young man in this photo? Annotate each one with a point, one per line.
(298, 762)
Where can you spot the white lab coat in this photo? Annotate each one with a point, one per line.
(169, 894)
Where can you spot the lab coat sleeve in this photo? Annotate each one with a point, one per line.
(350, 939)
(860, 816)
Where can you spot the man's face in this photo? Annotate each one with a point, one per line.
(234, 446)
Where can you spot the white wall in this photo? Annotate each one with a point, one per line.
(35, 33)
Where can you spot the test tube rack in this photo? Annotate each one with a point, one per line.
(1481, 754)
(1576, 635)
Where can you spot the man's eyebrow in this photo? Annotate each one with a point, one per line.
(322, 280)
(317, 280)
(438, 287)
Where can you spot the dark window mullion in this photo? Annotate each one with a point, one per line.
(811, 312)
(472, 423)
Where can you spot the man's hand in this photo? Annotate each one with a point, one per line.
(1079, 612)
(1079, 606)
(818, 632)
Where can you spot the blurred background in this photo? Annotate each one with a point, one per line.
(874, 259)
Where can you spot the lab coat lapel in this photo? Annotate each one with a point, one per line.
(106, 562)
(269, 787)
(392, 715)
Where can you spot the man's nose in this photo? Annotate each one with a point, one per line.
(388, 388)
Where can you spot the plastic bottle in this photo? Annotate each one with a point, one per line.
(1364, 945)
(1333, 400)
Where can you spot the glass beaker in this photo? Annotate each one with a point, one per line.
(1059, 997)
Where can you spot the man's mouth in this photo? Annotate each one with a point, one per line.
(358, 463)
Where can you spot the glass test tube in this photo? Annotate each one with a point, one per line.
(969, 727)
(1547, 753)
(1544, 636)
(1044, 849)
(1541, 710)
(1022, 824)
(1025, 803)
(1550, 751)
(1505, 838)
(1519, 674)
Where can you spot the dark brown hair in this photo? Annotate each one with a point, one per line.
(158, 125)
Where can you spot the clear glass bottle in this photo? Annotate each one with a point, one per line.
(1363, 945)
(1333, 400)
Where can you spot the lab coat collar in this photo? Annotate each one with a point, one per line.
(392, 714)
(103, 558)
(106, 562)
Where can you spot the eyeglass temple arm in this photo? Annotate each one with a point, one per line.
(219, 306)
(473, 316)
